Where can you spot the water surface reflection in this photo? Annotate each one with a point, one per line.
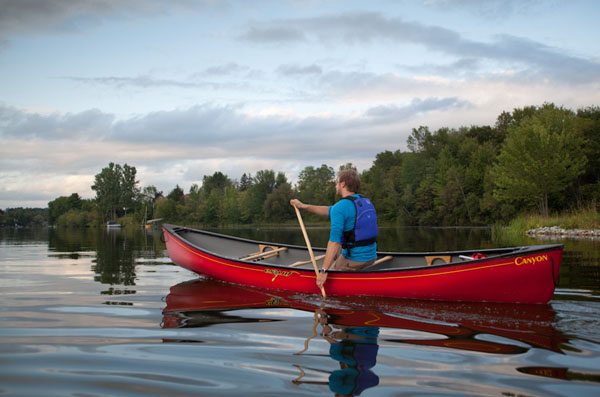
(354, 329)
(91, 312)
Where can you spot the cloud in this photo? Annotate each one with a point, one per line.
(39, 16)
(209, 80)
(24, 198)
(231, 68)
(296, 70)
(16, 123)
(490, 9)
(64, 151)
(144, 82)
(272, 35)
(211, 130)
(353, 28)
(461, 67)
(533, 58)
(416, 107)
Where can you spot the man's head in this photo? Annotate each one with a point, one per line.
(349, 179)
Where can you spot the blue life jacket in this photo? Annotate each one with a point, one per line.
(365, 225)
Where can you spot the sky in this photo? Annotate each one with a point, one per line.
(181, 89)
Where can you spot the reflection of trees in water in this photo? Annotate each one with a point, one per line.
(116, 251)
(115, 259)
(72, 241)
(23, 235)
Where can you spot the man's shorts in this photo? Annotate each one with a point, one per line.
(345, 264)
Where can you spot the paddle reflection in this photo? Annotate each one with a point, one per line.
(355, 329)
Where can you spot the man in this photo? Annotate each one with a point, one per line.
(351, 244)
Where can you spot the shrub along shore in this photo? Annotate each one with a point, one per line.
(574, 224)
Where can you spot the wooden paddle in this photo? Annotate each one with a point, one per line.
(310, 251)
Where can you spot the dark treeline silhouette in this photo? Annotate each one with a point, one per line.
(538, 158)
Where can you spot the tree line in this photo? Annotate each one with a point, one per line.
(537, 158)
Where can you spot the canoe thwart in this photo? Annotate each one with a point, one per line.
(262, 248)
(381, 260)
(430, 258)
(263, 254)
(318, 258)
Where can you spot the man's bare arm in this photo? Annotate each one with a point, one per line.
(321, 210)
(333, 251)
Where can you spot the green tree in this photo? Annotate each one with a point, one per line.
(245, 182)
(148, 198)
(169, 209)
(542, 155)
(381, 184)
(230, 206)
(450, 198)
(218, 181)
(507, 120)
(256, 195)
(588, 186)
(129, 192)
(24, 216)
(479, 183)
(62, 205)
(58, 207)
(211, 209)
(317, 185)
(115, 188)
(419, 140)
(277, 205)
(347, 166)
(176, 195)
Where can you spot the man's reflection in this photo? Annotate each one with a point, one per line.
(355, 348)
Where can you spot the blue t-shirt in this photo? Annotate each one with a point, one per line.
(343, 217)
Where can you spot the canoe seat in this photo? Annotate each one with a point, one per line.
(429, 259)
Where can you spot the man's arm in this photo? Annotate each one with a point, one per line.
(333, 251)
(321, 210)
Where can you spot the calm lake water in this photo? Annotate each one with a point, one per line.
(96, 312)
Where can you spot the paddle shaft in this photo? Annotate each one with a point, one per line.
(310, 251)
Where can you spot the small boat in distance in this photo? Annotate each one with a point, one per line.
(527, 274)
(112, 225)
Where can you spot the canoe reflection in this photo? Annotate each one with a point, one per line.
(201, 303)
(353, 326)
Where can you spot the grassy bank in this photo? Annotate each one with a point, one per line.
(581, 219)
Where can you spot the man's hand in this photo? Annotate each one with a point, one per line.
(297, 203)
(321, 278)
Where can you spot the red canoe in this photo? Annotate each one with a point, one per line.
(526, 274)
